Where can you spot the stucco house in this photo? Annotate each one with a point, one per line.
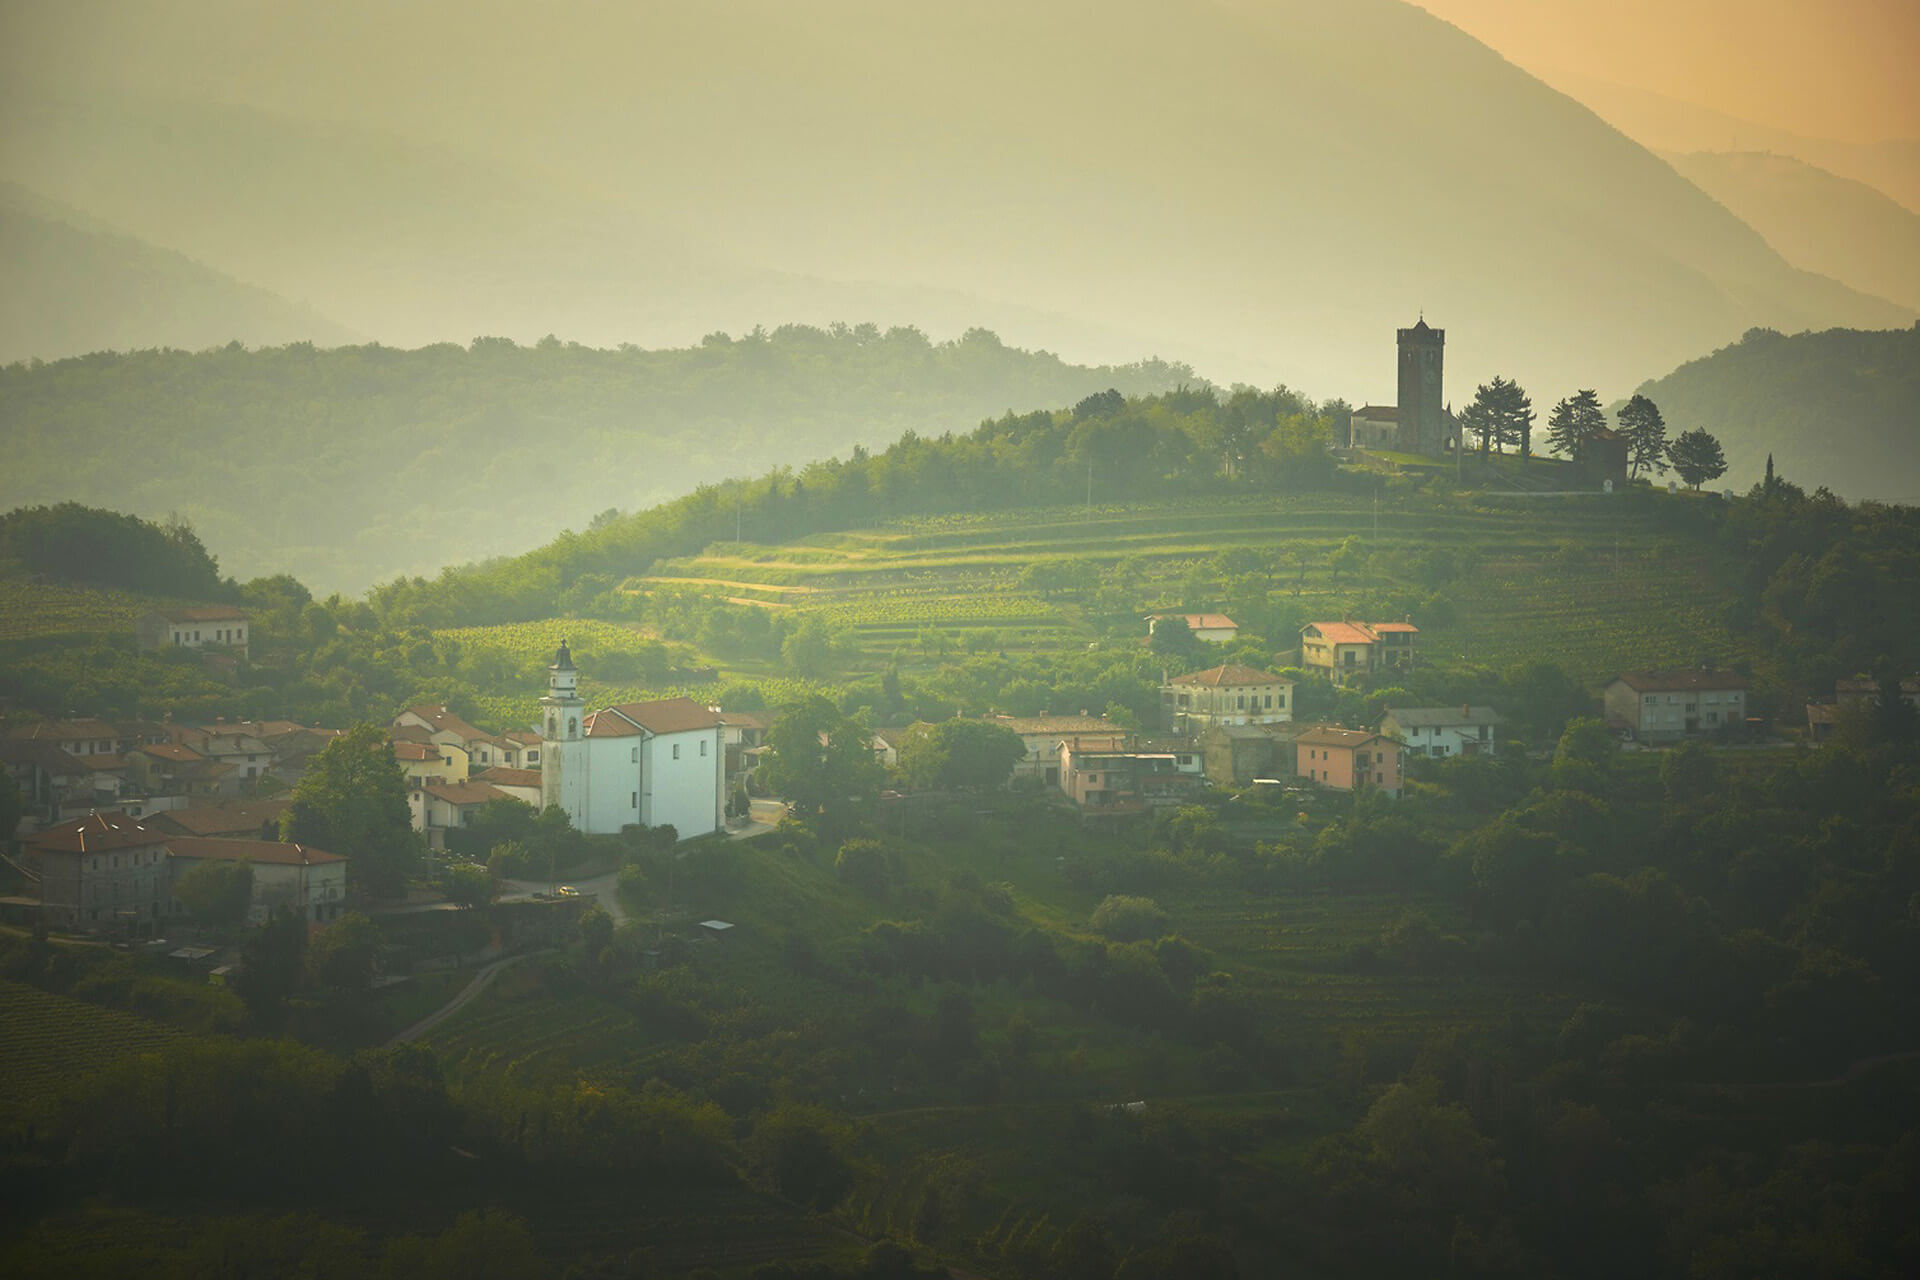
(1443, 731)
(1344, 650)
(1348, 759)
(194, 627)
(439, 805)
(1229, 694)
(1214, 628)
(1667, 705)
(108, 872)
(1043, 735)
(1129, 779)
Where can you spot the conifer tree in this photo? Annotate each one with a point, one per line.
(1697, 456)
(1646, 434)
(1573, 420)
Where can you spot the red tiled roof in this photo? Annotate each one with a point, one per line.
(270, 851)
(500, 776)
(1230, 675)
(525, 737)
(217, 820)
(204, 613)
(747, 719)
(415, 751)
(95, 833)
(1358, 632)
(465, 793)
(1380, 412)
(410, 733)
(1202, 621)
(668, 715)
(1681, 681)
(103, 763)
(1326, 735)
(444, 721)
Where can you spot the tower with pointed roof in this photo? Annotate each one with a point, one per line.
(563, 741)
(1422, 417)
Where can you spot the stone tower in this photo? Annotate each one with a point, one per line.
(1423, 421)
(563, 741)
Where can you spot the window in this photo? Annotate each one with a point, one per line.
(676, 751)
(633, 800)
(703, 747)
(634, 756)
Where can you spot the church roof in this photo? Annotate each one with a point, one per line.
(563, 659)
(667, 715)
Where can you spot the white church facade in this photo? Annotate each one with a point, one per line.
(641, 763)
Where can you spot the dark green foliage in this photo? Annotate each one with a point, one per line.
(341, 956)
(270, 966)
(1697, 456)
(1646, 435)
(1573, 421)
(821, 761)
(1501, 414)
(353, 801)
(216, 892)
(699, 412)
(1129, 919)
(72, 543)
(961, 755)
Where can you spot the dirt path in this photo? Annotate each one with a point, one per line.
(480, 982)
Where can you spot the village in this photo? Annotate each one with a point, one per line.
(116, 812)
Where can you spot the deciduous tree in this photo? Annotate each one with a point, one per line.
(216, 892)
(353, 801)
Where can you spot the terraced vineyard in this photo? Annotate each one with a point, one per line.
(1585, 582)
(47, 1039)
(520, 1029)
(30, 609)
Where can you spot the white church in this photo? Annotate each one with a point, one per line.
(646, 763)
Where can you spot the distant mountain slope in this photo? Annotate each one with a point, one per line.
(1819, 222)
(1264, 188)
(1840, 409)
(360, 463)
(1660, 123)
(69, 285)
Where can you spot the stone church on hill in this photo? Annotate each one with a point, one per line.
(1419, 423)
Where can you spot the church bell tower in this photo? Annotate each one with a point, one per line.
(563, 741)
(1423, 421)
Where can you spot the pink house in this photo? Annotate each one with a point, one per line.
(1349, 759)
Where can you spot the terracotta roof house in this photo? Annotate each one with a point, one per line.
(1374, 426)
(442, 724)
(1214, 628)
(1346, 649)
(1229, 694)
(252, 818)
(109, 873)
(1348, 759)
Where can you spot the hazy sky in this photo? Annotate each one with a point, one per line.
(1843, 69)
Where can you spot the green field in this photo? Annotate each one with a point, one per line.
(31, 610)
(1585, 582)
(47, 1040)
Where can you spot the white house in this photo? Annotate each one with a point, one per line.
(311, 881)
(1443, 731)
(1214, 628)
(1230, 694)
(194, 627)
(647, 763)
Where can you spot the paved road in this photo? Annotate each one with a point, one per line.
(459, 1001)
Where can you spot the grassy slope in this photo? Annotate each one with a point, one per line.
(1587, 583)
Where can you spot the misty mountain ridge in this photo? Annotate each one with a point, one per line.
(1817, 220)
(73, 284)
(1292, 183)
(356, 464)
(1839, 409)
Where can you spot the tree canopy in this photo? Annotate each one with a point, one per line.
(1573, 421)
(963, 755)
(353, 801)
(1697, 456)
(1646, 435)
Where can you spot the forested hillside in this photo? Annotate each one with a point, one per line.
(1839, 409)
(448, 454)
